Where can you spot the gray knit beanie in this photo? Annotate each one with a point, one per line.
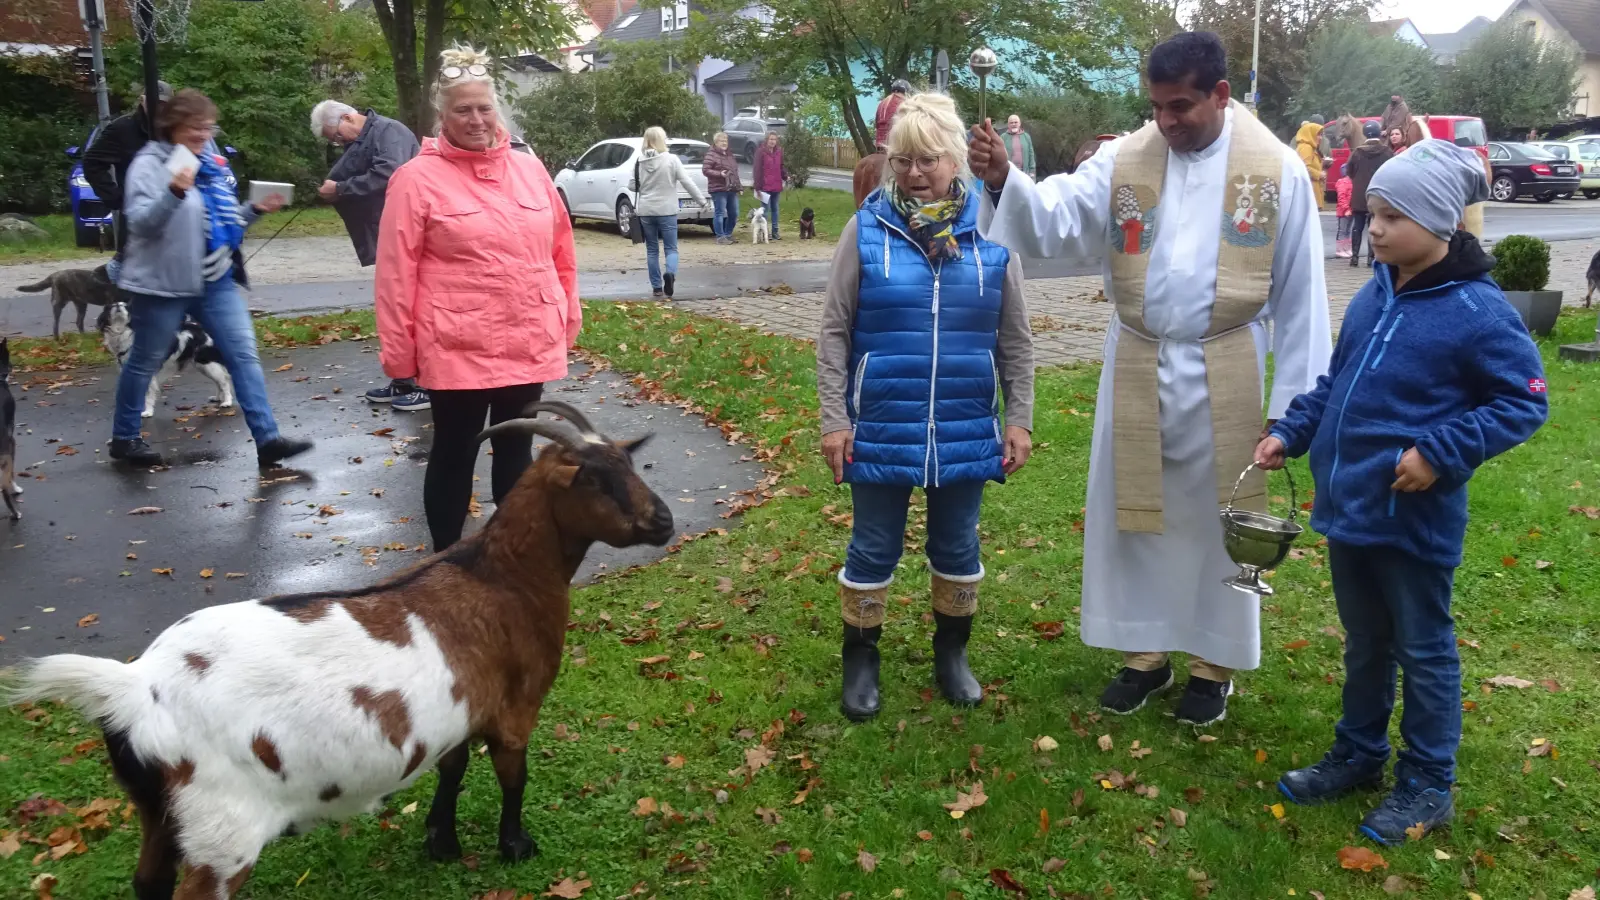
(1431, 183)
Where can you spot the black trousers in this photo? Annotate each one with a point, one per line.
(458, 417)
(1358, 233)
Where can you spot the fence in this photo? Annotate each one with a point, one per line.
(838, 153)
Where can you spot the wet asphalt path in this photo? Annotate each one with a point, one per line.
(69, 556)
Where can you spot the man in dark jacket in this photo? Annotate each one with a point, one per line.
(1362, 165)
(106, 161)
(374, 147)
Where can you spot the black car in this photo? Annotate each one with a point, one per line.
(745, 134)
(1524, 171)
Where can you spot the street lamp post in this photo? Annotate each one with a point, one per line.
(1255, 62)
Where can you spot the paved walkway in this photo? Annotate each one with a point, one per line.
(1070, 316)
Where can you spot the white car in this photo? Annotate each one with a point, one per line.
(1584, 151)
(595, 186)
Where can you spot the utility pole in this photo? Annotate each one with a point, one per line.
(1255, 63)
(94, 22)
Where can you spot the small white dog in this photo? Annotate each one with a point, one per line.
(190, 345)
(758, 225)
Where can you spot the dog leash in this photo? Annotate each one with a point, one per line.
(264, 244)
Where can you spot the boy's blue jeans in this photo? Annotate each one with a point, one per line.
(665, 230)
(1396, 614)
(879, 535)
(224, 315)
(726, 213)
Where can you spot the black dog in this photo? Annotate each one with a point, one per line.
(8, 436)
(1594, 280)
(808, 224)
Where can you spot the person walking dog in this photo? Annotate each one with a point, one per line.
(182, 258)
(477, 287)
(771, 176)
(374, 147)
(924, 330)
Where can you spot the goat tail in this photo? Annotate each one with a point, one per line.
(102, 689)
(36, 288)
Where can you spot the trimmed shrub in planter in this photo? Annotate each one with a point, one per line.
(1522, 269)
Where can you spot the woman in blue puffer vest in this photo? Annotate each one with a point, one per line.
(924, 331)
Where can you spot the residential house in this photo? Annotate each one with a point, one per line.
(1400, 30)
(1446, 45)
(726, 87)
(1575, 23)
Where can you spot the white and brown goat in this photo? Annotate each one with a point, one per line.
(247, 720)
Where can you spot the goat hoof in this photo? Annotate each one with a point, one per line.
(442, 846)
(518, 847)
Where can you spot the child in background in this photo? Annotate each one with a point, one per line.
(1448, 379)
(1343, 188)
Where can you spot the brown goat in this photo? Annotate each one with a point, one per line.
(246, 720)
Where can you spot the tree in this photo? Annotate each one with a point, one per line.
(501, 27)
(1351, 69)
(1512, 80)
(1287, 30)
(815, 43)
(562, 119)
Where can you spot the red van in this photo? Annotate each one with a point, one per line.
(1463, 131)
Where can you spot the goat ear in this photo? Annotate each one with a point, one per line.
(563, 476)
(635, 445)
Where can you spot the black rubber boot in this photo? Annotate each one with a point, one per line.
(859, 699)
(950, 668)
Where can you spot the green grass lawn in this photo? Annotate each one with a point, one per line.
(313, 221)
(749, 619)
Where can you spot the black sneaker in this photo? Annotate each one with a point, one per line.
(1204, 701)
(1336, 774)
(1133, 688)
(667, 283)
(1415, 803)
(278, 449)
(135, 451)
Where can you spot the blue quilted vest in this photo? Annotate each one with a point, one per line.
(924, 385)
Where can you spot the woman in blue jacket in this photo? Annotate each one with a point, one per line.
(924, 330)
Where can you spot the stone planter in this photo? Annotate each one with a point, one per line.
(1538, 309)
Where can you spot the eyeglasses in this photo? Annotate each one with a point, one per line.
(902, 164)
(451, 73)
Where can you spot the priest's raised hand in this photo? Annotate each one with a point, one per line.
(987, 155)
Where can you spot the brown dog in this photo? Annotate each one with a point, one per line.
(78, 286)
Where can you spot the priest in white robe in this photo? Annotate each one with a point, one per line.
(1212, 252)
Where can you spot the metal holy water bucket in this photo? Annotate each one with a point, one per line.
(1257, 541)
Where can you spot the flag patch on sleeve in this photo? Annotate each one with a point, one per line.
(1536, 385)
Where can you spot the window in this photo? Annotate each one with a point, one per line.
(691, 154)
(1470, 133)
(676, 16)
(1498, 152)
(594, 159)
(1558, 151)
(621, 155)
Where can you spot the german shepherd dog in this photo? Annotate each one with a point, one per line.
(1594, 280)
(8, 436)
(78, 286)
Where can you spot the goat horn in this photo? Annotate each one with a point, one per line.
(561, 433)
(570, 413)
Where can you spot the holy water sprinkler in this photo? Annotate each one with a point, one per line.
(983, 63)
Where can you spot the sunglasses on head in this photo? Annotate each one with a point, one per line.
(902, 164)
(451, 73)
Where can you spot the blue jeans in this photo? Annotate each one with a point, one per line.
(879, 535)
(1395, 610)
(726, 214)
(665, 230)
(772, 210)
(223, 314)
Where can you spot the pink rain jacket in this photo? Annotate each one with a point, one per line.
(477, 279)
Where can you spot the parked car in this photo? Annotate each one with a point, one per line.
(1523, 170)
(595, 186)
(90, 216)
(1463, 131)
(1585, 154)
(745, 134)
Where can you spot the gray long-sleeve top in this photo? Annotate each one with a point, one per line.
(1013, 350)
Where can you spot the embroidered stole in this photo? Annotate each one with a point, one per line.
(1249, 226)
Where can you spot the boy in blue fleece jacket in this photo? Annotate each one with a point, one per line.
(1432, 375)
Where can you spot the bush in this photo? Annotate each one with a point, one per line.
(1060, 120)
(1522, 263)
(802, 149)
(558, 120)
(42, 113)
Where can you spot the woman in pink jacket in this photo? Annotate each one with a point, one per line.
(477, 286)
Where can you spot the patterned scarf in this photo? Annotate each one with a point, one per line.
(932, 224)
(224, 222)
